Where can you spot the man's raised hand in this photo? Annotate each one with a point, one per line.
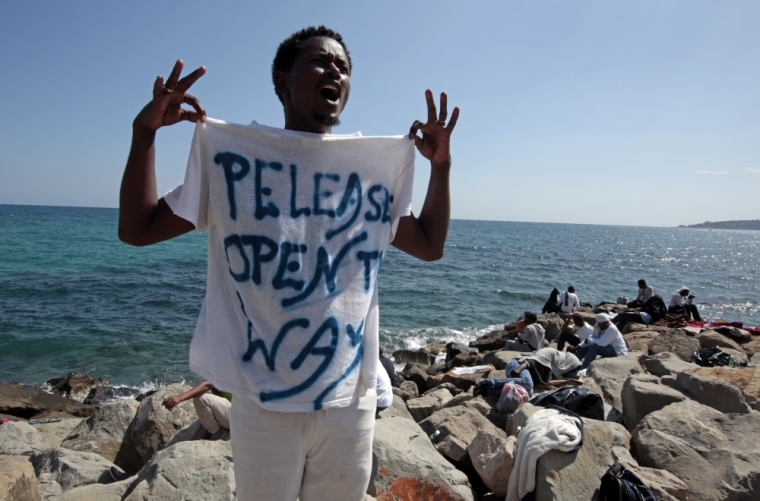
(166, 106)
(434, 143)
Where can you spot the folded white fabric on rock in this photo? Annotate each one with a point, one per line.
(547, 429)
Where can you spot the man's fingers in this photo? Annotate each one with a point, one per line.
(453, 121)
(157, 86)
(171, 83)
(444, 110)
(417, 125)
(190, 79)
(195, 103)
(430, 105)
(189, 116)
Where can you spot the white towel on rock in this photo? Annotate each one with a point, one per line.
(547, 429)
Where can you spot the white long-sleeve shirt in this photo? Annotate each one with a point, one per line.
(572, 302)
(677, 300)
(610, 337)
(645, 294)
(384, 389)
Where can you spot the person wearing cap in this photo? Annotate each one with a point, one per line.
(568, 301)
(682, 303)
(575, 332)
(606, 341)
(530, 334)
(646, 292)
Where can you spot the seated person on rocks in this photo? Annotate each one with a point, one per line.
(389, 369)
(568, 301)
(575, 332)
(606, 341)
(530, 335)
(384, 389)
(547, 366)
(552, 304)
(652, 311)
(645, 293)
(682, 303)
(211, 405)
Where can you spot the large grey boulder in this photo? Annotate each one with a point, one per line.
(95, 492)
(552, 324)
(716, 455)
(154, 425)
(416, 374)
(200, 470)
(493, 458)
(664, 364)
(24, 401)
(55, 433)
(422, 407)
(105, 433)
(641, 397)
(75, 385)
(406, 466)
(484, 405)
(746, 379)
(610, 374)
(458, 426)
(714, 392)
(18, 438)
(17, 481)
(711, 339)
(59, 470)
(640, 340)
(677, 342)
(396, 409)
(500, 359)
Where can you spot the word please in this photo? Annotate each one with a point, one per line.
(237, 168)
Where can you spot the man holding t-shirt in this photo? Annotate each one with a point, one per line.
(298, 224)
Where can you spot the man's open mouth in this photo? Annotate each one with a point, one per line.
(330, 91)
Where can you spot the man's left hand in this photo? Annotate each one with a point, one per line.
(434, 143)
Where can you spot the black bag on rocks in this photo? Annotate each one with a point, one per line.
(712, 357)
(621, 484)
(577, 399)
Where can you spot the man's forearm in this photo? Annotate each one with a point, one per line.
(436, 210)
(138, 198)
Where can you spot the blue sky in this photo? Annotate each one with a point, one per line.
(636, 113)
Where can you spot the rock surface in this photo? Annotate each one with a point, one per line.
(500, 359)
(75, 385)
(716, 455)
(640, 340)
(24, 401)
(422, 407)
(664, 364)
(95, 492)
(397, 409)
(641, 397)
(493, 458)
(414, 357)
(154, 425)
(746, 379)
(18, 438)
(676, 342)
(610, 374)
(59, 470)
(458, 427)
(710, 339)
(17, 480)
(105, 433)
(405, 466)
(713, 392)
(200, 470)
(100, 395)
(55, 433)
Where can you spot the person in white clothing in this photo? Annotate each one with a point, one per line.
(646, 292)
(299, 221)
(568, 301)
(606, 341)
(575, 332)
(682, 303)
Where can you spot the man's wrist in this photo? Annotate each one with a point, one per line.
(141, 131)
(441, 166)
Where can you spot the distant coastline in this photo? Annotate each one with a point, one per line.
(749, 224)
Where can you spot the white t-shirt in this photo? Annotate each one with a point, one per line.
(610, 337)
(583, 333)
(572, 302)
(298, 225)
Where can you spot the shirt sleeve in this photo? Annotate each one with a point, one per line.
(384, 390)
(402, 191)
(607, 338)
(190, 199)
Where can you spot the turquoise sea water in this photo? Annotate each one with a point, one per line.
(74, 298)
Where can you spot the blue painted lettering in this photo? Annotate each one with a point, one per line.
(260, 191)
(228, 160)
(294, 212)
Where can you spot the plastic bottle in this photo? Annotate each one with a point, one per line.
(434, 436)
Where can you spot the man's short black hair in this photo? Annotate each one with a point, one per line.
(642, 283)
(292, 46)
(578, 317)
(530, 318)
(571, 289)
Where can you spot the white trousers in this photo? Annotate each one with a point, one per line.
(324, 455)
(213, 411)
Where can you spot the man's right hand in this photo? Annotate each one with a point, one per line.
(171, 402)
(166, 106)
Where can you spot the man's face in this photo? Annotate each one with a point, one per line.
(603, 326)
(578, 322)
(316, 89)
(685, 293)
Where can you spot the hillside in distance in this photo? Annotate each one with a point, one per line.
(749, 224)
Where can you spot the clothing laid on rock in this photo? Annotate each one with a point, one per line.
(298, 226)
(568, 302)
(546, 430)
(558, 363)
(531, 339)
